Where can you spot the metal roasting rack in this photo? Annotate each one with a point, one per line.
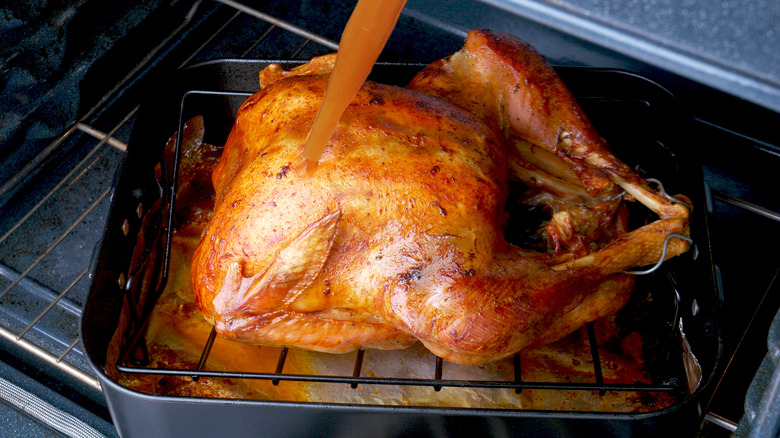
(135, 358)
(28, 331)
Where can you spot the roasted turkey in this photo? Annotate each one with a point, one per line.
(398, 235)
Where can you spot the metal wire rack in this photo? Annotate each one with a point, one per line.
(41, 303)
(139, 365)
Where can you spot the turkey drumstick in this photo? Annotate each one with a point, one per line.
(506, 82)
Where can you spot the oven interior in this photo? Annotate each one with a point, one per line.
(214, 90)
(69, 122)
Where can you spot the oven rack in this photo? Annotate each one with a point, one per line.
(26, 301)
(29, 303)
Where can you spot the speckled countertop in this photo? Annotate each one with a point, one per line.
(731, 45)
(742, 34)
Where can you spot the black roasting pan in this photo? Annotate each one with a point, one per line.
(641, 121)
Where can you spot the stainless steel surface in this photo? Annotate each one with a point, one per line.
(762, 403)
(729, 45)
(749, 206)
(721, 422)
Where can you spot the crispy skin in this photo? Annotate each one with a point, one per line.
(435, 173)
(507, 83)
(398, 235)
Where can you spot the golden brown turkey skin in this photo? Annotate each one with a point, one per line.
(398, 235)
(403, 169)
(507, 83)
